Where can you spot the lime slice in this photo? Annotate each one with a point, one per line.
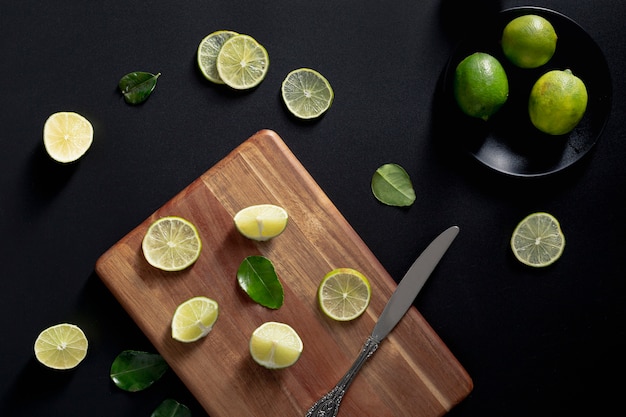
(62, 346)
(344, 294)
(171, 244)
(538, 240)
(242, 62)
(67, 136)
(275, 345)
(207, 53)
(194, 319)
(261, 222)
(306, 93)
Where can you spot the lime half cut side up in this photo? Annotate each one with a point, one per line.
(306, 93)
(242, 62)
(537, 240)
(67, 136)
(194, 319)
(275, 345)
(344, 294)
(171, 243)
(207, 53)
(62, 346)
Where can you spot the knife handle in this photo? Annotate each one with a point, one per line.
(328, 405)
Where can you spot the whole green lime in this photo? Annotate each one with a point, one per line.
(557, 102)
(529, 41)
(481, 86)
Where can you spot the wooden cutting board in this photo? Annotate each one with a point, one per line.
(412, 374)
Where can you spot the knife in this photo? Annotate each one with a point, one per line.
(397, 306)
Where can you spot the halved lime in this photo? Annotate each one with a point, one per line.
(171, 243)
(67, 136)
(261, 222)
(242, 62)
(275, 345)
(194, 319)
(207, 53)
(306, 93)
(344, 294)
(538, 240)
(62, 346)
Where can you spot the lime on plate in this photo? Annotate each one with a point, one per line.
(275, 345)
(344, 294)
(67, 136)
(208, 49)
(538, 240)
(306, 93)
(529, 41)
(261, 222)
(62, 346)
(171, 243)
(242, 62)
(194, 319)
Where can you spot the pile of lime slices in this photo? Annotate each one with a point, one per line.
(234, 59)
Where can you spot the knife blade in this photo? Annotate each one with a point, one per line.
(412, 283)
(397, 306)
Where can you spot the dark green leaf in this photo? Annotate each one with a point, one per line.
(258, 279)
(134, 370)
(137, 86)
(391, 185)
(171, 408)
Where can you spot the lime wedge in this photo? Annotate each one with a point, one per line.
(242, 62)
(261, 222)
(62, 346)
(306, 93)
(171, 244)
(538, 240)
(194, 319)
(67, 136)
(275, 345)
(344, 294)
(207, 54)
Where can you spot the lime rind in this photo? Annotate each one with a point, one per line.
(538, 240)
(242, 62)
(208, 49)
(307, 93)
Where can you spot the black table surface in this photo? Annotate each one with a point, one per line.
(542, 342)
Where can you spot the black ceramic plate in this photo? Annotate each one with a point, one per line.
(508, 142)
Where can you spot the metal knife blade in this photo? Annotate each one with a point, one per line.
(412, 282)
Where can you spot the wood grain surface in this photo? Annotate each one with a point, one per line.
(412, 374)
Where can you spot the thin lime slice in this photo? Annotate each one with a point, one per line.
(275, 345)
(537, 240)
(344, 294)
(67, 136)
(62, 346)
(306, 93)
(171, 243)
(194, 319)
(261, 222)
(242, 62)
(208, 49)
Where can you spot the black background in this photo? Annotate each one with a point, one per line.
(536, 342)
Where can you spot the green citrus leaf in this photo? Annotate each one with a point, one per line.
(135, 371)
(257, 277)
(391, 185)
(171, 408)
(137, 86)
